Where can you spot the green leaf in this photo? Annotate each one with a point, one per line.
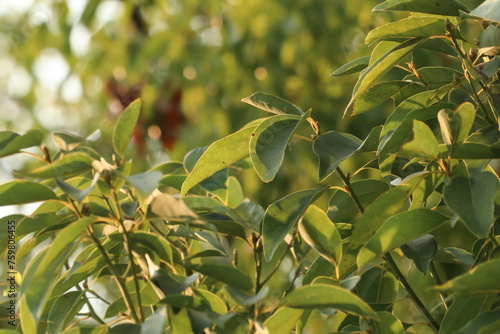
(489, 41)
(328, 296)
(245, 299)
(272, 104)
(383, 65)
(229, 275)
(375, 215)
(282, 215)
(124, 127)
(489, 10)
(67, 141)
(268, 144)
(388, 324)
(64, 310)
(216, 303)
(463, 310)
(439, 7)
(398, 230)
(283, 320)
(475, 151)
(353, 66)
(319, 232)
(152, 242)
(21, 192)
(456, 125)
(320, 267)
(145, 183)
(68, 165)
(421, 250)
(377, 94)
(488, 322)
(482, 279)
(218, 156)
(424, 144)
(488, 68)
(76, 193)
(435, 76)
(473, 199)
(342, 208)
(332, 148)
(46, 273)
(11, 142)
(408, 28)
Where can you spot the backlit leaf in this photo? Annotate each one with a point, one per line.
(408, 28)
(21, 192)
(11, 142)
(124, 127)
(272, 104)
(439, 7)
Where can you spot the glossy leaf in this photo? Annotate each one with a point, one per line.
(332, 148)
(283, 321)
(272, 104)
(321, 234)
(422, 251)
(229, 275)
(353, 66)
(11, 142)
(282, 215)
(21, 192)
(218, 156)
(145, 183)
(268, 144)
(58, 252)
(382, 66)
(124, 127)
(377, 94)
(69, 165)
(490, 10)
(482, 279)
(328, 296)
(63, 310)
(398, 230)
(408, 28)
(472, 199)
(439, 7)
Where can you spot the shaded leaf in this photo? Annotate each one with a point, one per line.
(489, 41)
(377, 94)
(63, 310)
(328, 296)
(21, 192)
(272, 104)
(229, 275)
(398, 230)
(74, 192)
(145, 183)
(68, 165)
(388, 324)
(482, 279)
(463, 310)
(282, 215)
(488, 322)
(67, 141)
(472, 199)
(11, 142)
(421, 250)
(152, 242)
(218, 156)
(245, 299)
(124, 127)
(332, 148)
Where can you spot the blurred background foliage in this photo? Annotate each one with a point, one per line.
(73, 65)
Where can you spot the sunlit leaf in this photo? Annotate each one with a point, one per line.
(408, 28)
(11, 142)
(328, 296)
(68, 165)
(354, 66)
(490, 10)
(283, 320)
(482, 279)
(424, 143)
(21, 192)
(377, 94)
(282, 215)
(439, 7)
(272, 104)
(124, 127)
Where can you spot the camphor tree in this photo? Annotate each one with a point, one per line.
(409, 242)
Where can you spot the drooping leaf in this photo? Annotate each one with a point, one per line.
(124, 127)
(377, 94)
(328, 296)
(472, 198)
(321, 234)
(439, 7)
(408, 28)
(353, 66)
(272, 104)
(332, 148)
(218, 156)
(58, 252)
(382, 66)
(489, 10)
(11, 142)
(63, 310)
(482, 279)
(69, 165)
(421, 250)
(398, 230)
(283, 320)
(227, 274)
(145, 183)
(268, 144)
(75, 192)
(282, 215)
(21, 192)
